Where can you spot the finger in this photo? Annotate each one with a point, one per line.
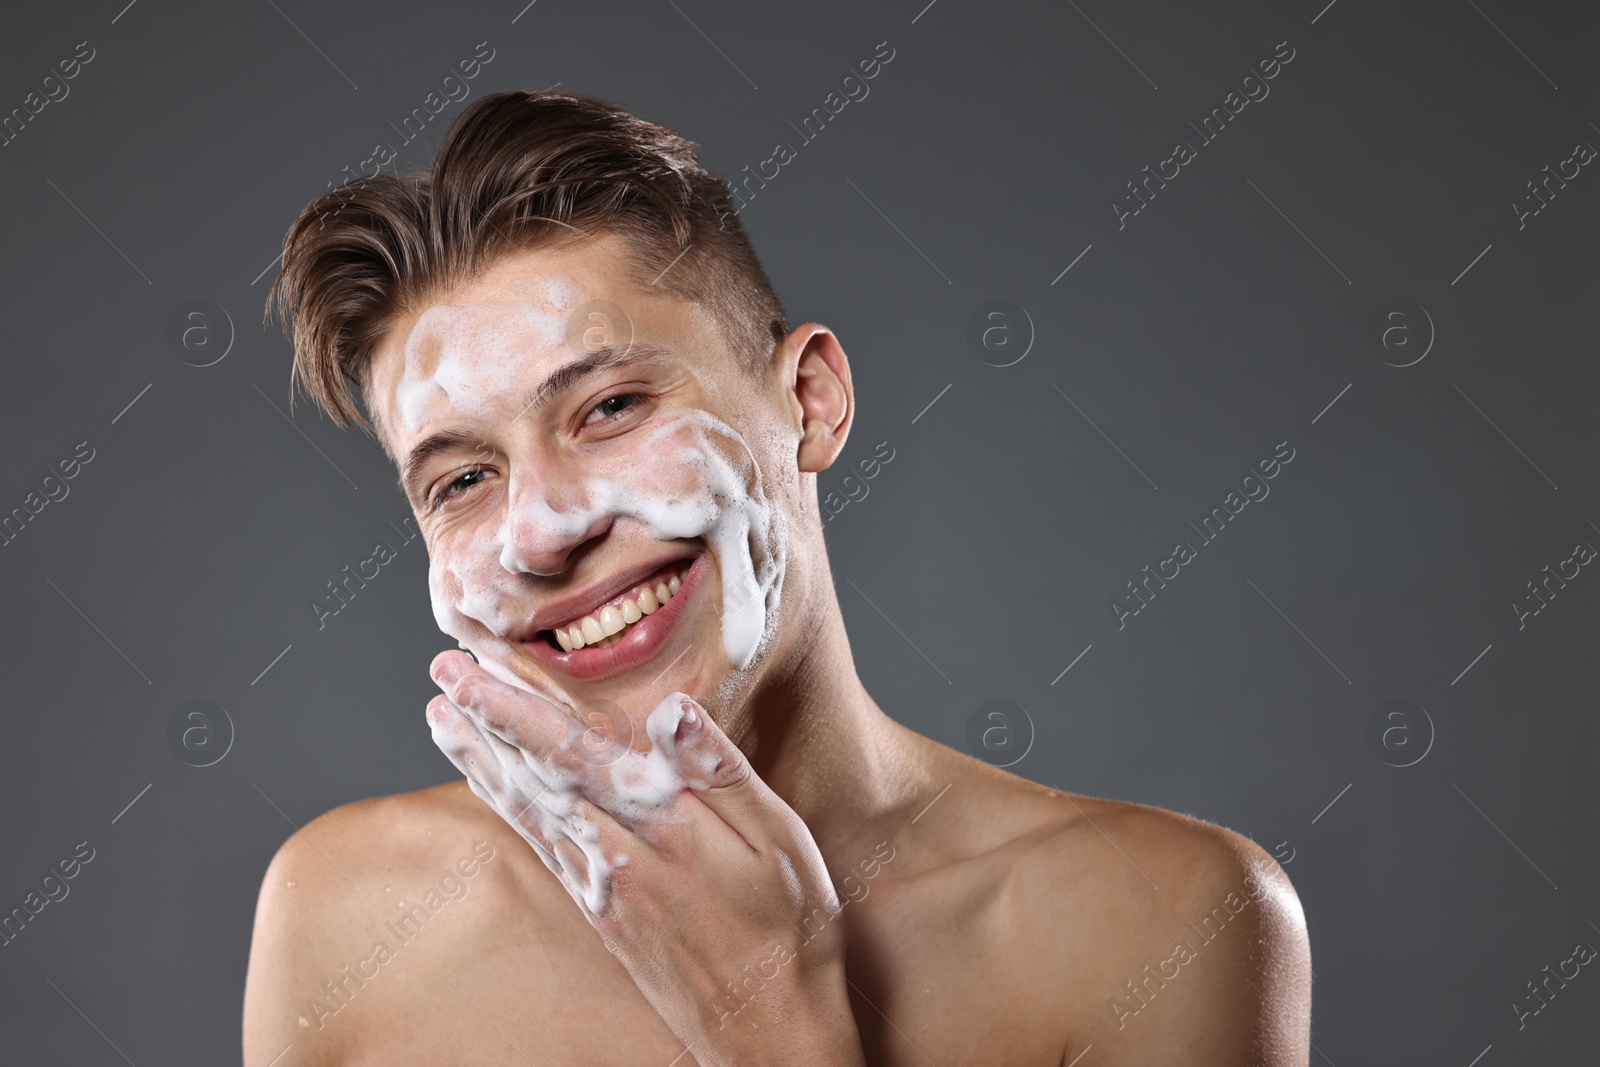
(462, 743)
(480, 792)
(523, 719)
(574, 874)
(586, 772)
(539, 850)
(495, 774)
(493, 804)
(475, 755)
(551, 810)
(571, 835)
(510, 663)
(716, 771)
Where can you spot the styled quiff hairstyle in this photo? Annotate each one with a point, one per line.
(518, 171)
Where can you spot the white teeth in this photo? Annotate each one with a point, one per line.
(604, 629)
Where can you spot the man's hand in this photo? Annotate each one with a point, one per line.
(700, 879)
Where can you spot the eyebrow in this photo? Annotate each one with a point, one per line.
(432, 445)
(559, 381)
(568, 375)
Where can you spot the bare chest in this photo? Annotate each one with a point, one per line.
(929, 984)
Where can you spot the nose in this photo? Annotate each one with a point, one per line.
(546, 520)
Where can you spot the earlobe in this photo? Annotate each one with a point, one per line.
(824, 394)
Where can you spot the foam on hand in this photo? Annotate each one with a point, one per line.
(636, 788)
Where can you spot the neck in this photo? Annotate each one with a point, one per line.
(818, 739)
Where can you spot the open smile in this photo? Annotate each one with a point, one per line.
(623, 632)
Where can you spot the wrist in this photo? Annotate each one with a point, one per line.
(803, 1029)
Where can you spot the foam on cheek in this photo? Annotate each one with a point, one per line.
(678, 484)
(724, 502)
(468, 583)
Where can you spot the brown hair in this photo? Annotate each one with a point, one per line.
(518, 170)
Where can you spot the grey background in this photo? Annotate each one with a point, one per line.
(980, 563)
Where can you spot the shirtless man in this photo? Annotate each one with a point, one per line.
(686, 834)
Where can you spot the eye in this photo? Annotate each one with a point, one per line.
(611, 407)
(460, 484)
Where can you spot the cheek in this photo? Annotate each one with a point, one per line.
(665, 479)
(730, 508)
(468, 585)
(668, 462)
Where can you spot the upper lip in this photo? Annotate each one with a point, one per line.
(587, 599)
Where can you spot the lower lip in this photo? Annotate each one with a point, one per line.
(639, 645)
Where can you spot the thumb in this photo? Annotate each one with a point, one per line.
(712, 766)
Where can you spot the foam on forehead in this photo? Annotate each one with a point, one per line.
(460, 356)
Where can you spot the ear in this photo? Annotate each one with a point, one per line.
(817, 373)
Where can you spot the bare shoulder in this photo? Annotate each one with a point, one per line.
(1191, 945)
(382, 835)
(1181, 859)
(418, 875)
(1151, 935)
(1143, 860)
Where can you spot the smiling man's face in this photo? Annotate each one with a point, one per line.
(605, 491)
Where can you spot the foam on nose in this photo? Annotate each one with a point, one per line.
(674, 481)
